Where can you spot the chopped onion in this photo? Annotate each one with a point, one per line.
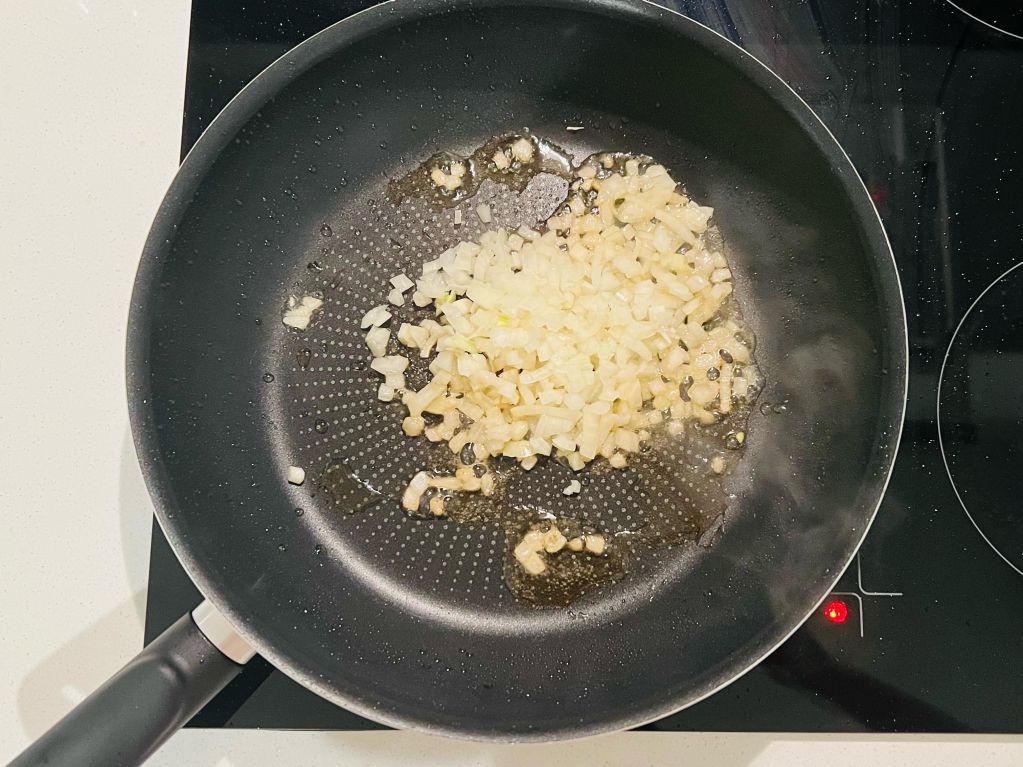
(401, 282)
(413, 426)
(297, 318)
(376, 316)
(296, 475)
(300, 311)
(522, 150)
(376, 340)
(389, 365)
(539, 541)
(414, 492)
(594, 543)
(527, 552)
(574, 341)
(437, 506)
(554, 540)
(501, 160)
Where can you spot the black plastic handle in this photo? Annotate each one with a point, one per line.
(146, 702)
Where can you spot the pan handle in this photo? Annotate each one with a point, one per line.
(149, 699)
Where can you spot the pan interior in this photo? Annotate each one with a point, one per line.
(408, 621)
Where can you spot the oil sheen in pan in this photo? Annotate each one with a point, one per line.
(673, 493)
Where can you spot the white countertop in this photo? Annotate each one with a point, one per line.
(90, 114)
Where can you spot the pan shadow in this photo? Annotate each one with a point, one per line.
(76, 668)
(136, 511)
(80, 665)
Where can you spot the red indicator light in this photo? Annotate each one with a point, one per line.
(836, 611)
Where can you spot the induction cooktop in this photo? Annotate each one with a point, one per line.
(922, 633)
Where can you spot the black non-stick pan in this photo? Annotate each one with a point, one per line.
(407, 621)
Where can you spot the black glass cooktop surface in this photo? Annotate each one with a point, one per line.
(923, 631)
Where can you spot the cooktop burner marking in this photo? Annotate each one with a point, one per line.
(985, 23)
(859, 584)
(941, 441)
(862, 592)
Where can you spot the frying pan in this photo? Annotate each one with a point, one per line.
(406, 621)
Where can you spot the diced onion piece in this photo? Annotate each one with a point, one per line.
(390, 364)
(446, 483)
(300, 311)
(533, 563)
(401, 282)
(576, 461)
(522, 150)
(483, 213)
(413, 425)
(487, 484)
(554, 540)
(573, 488)
(437, 506)
(594, 543)
(396, 298)
(414, 492)
(385, 393)
(297, 318)
(720, 275)
(527, 552)
(296, 475)
(376, 316)
(376, 340)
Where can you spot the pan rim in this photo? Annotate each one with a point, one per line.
(292, 65)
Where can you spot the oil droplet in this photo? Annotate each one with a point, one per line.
(304, 357)
(299, 512)
(282, 547)
(326, 231)
(268, 377)
(321, 426)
